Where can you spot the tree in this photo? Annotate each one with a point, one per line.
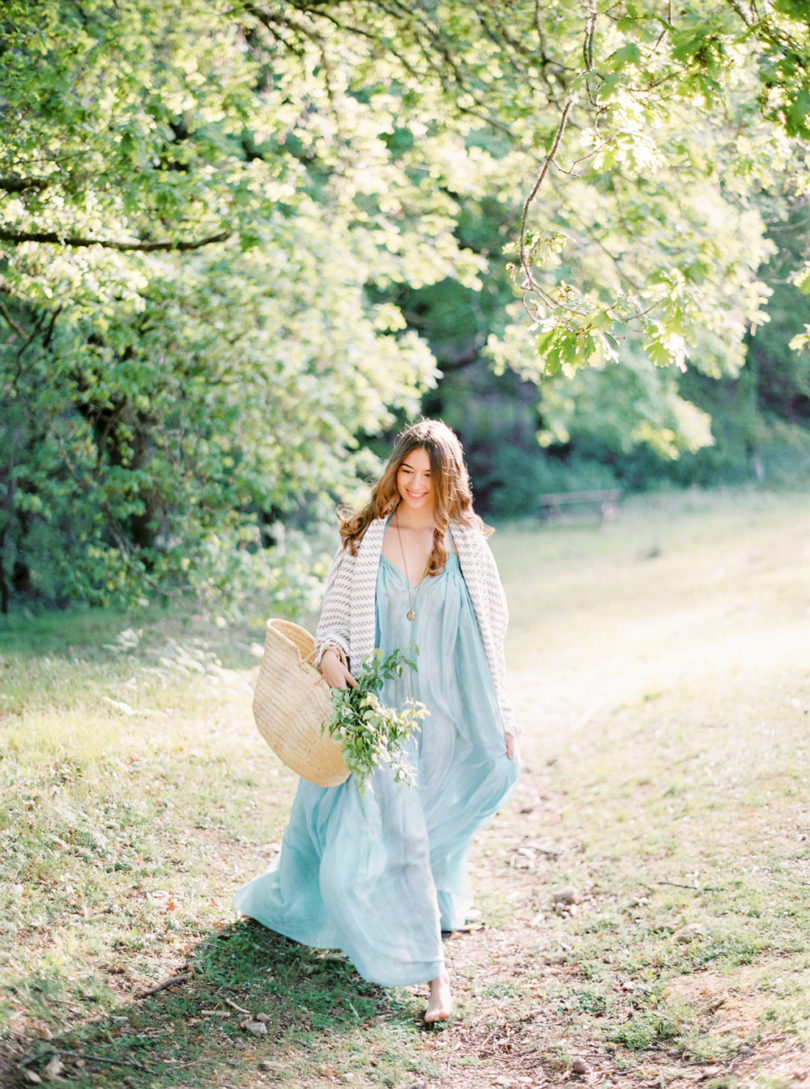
(211, 218)
(200, 371)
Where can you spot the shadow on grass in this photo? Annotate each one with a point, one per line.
(249, 1003)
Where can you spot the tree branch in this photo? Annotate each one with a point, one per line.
(667, 27)
(444, 63)
(749, 18)
(524, 257)
(79, 241)
(29, 337)
(271, 21)
(538, 26)
(46, 340)
(590, 30)
(18, 329)
(15, 184)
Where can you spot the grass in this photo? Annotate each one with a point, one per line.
(645, 899)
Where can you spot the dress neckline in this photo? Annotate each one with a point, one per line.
(404, 577)
(451, 551)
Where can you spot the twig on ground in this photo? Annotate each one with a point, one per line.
(86, 1055)
(184, 977)
(693, 888)
(233, 1005)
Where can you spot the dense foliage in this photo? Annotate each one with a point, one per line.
(227, 232)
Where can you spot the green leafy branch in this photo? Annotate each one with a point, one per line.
(369, 733)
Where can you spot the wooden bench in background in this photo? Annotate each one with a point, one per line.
(607, 502)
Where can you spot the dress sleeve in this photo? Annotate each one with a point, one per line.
(333, 626)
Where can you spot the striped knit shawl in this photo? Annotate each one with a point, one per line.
(348, 615)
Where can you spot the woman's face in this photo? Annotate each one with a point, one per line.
(414, 482)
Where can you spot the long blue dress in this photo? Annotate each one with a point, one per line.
(380, 876)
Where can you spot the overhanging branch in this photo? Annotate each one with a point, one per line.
(524, 249)
(79, 241)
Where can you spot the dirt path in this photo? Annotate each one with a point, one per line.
(523, 988)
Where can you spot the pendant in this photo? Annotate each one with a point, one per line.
(411, 614)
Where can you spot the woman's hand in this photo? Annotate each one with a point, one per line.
(334, 671)
(510, 746)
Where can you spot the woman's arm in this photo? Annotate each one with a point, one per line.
(332, 635)
(335, 670)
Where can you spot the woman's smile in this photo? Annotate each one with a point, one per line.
(414, 480)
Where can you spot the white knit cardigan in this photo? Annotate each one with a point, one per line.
(348, 615)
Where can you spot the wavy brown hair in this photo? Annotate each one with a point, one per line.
(452, 497)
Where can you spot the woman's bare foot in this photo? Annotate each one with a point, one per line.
(440, 1003)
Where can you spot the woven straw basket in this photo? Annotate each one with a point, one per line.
(291, 703)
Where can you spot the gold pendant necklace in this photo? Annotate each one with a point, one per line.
(412, 596)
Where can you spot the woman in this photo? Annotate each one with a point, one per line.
(381, 875)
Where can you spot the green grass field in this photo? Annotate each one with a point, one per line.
(645, 900)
